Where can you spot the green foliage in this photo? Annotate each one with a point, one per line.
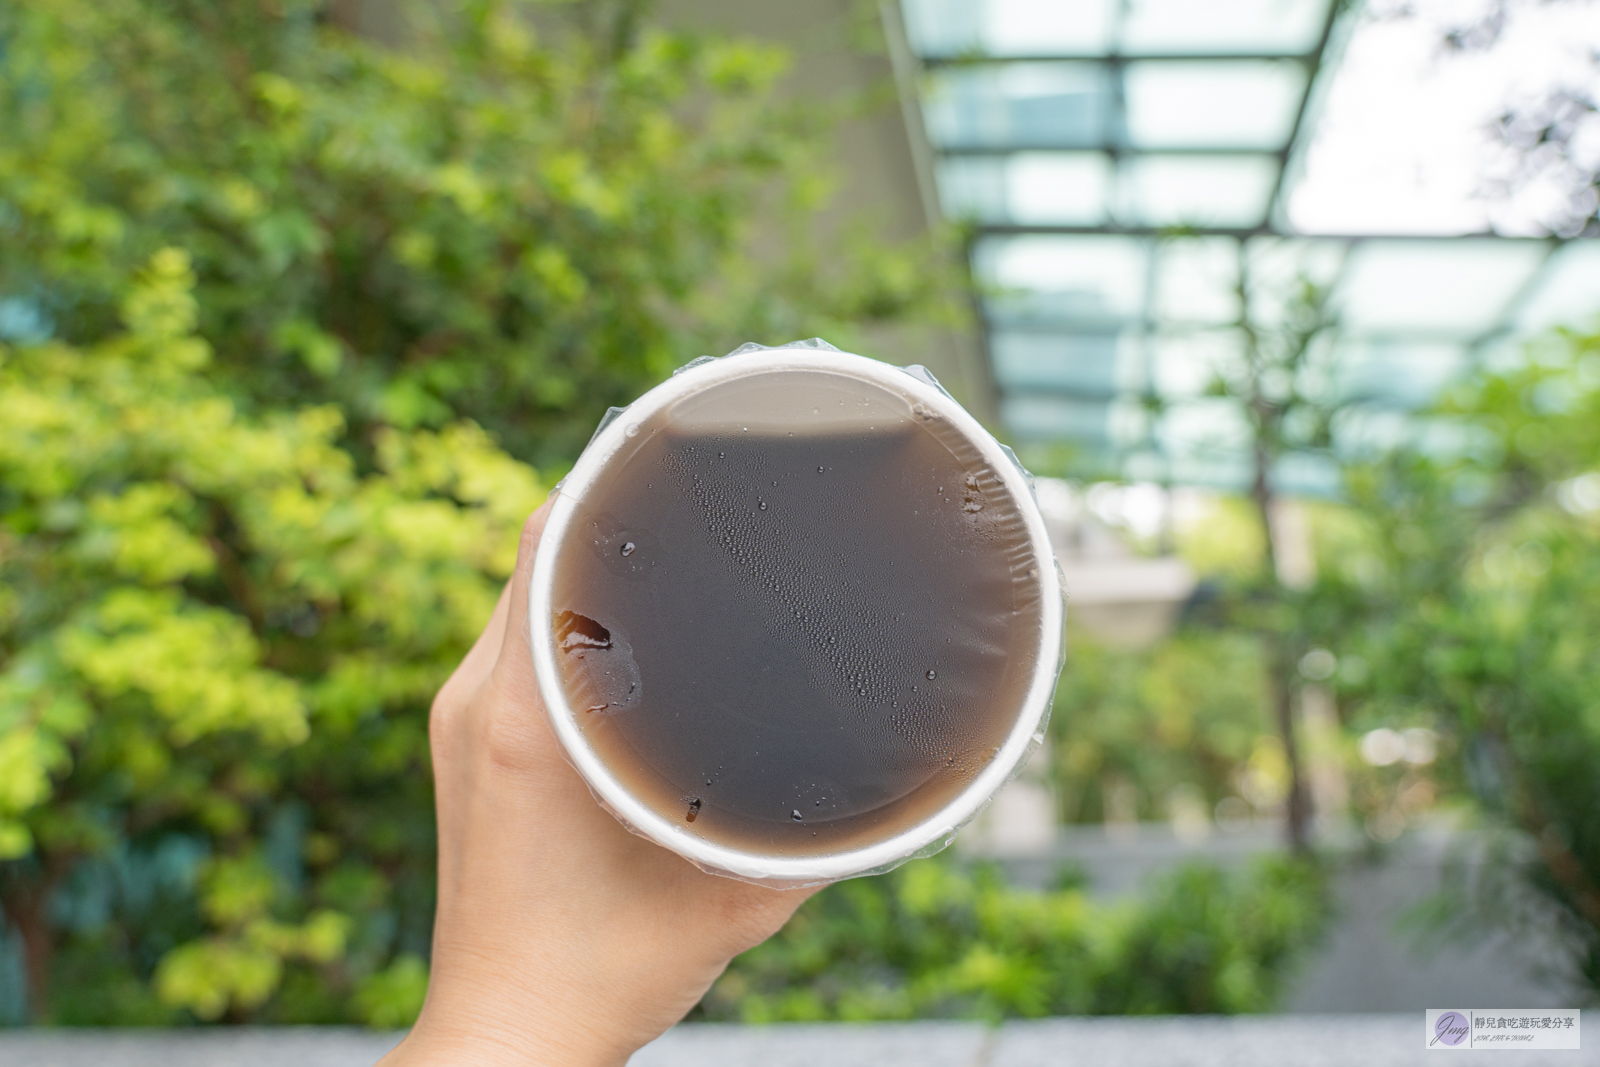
(392, 997)
(934, 940)
(1473, 608)
(524, 214)
(1186, 714)
(279, 304)
(212, 619)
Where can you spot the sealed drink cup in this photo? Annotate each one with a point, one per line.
(795, 615)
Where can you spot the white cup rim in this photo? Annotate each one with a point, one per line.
(928, 834)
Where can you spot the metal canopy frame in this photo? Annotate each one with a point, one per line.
(1107, 356)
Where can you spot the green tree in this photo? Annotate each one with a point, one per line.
(1475, 606)
(1188, 713)
(210, 619)
(933, 940)
(526, 213)
(278, 306)
(1281, 388)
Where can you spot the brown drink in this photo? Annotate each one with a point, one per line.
(797, 626)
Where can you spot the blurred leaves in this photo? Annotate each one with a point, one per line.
(1471, 605)
(934, 940)
(286, 315)
(519, 217)
(193, 591)
(1186, 713)
(392, 997)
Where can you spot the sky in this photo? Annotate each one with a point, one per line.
(1404, 141)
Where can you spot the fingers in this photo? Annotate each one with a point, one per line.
(480, 658)
(514, 663)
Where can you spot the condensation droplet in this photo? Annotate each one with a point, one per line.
(819, 470)
(932, 675)
(627, 548)
(763, 505)
(632, 429)
(795, 815)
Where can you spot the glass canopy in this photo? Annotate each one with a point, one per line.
(1126, 167)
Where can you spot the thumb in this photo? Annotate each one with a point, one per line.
(514, 668)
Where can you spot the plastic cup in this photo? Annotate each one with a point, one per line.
(753, 384)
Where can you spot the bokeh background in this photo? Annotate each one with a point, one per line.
(1292, 305)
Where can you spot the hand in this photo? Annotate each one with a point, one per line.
(560, 938)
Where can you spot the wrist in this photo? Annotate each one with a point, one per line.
(481, 1012)
(449, 1034)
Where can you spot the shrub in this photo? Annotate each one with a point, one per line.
(935, 940)
(279, 305)
(219, 637)
(1474, 607)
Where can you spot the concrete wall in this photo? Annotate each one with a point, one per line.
(840, 49)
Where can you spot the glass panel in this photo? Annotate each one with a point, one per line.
(1304, 474)
(1229, 471)
(943, 27)
(973, 187)
(1129, 424)
(1451, 288)
(1046, 27)
(1279, 266)
(1049, 418)
(1146, 466)
(1186, 363)
(1275, 261)
(1195, 281)
(1365, 431)
(1199, 104)
(1064, 188)
(1229, 191)
(1030, 188)
(1206, 441)
(1023, 105)
(1567, 292)
(1284, 27)
(1400, 140)
(1008, 27)
(1087, 277)
(1501, 352)
(1390, 374)
(1203, 429)
(1091, 363)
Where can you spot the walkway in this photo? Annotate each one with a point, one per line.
(1393, 1040)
